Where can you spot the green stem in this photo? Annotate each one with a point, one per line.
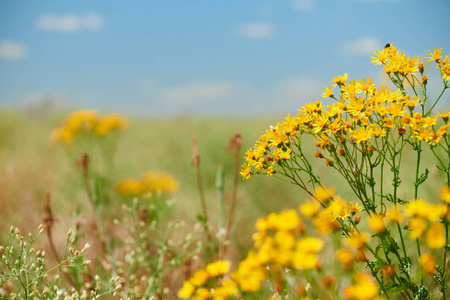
(435, 102)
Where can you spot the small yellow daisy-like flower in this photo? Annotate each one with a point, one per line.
(226, 290)
(309, 208)
(199, 278)
(376, 223)
(344, 255)
(445, 194)
(354, 208)
(339, 208)
(358, 240)
(324, 222)
(328, 91)
(304, 260)
(129, 186)
(323, 194)
(246, 171)
(365, 287)
(435, 236)
(436, 55)
(187, 290)
(340, 79)
(310, 244)
(418, 207)
(217, 268)
(417, 226)
(379, 58)
(394, 215)
(202, 294)
(428, 263)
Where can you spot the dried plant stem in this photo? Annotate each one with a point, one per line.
(235, 143)
(84, 162)
(196, 163)
(47, 218)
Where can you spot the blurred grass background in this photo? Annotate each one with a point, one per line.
(31, 167)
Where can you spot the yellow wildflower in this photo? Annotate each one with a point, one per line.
(217, 268)
(328, 91)
(129, 186)
(436, 55)
(445, 194)
(323, 194)
(376, 223)
(187, 290)
(417, 226)
(394, 215)
(324, 222)
(202, 294)
(358, 240)
(199, 278)
(340, 79)
(309, 208)
(428, 263)
(364, 288)
(435, 236)
(310, 244)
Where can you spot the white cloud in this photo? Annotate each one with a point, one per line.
(71, 23)
(257, 31)
(363, 46)
(304, 5)
(300, 89)
(12, 50)
(197, 93)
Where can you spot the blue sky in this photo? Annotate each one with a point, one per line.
(202, 57)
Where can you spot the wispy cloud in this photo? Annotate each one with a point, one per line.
(197, 93)
(304, 5)
(300, 89)
(362, 46)
(257, 30)
(12, 50)
(71, 23)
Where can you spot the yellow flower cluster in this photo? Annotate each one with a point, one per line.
(361, 114)
(442, 64)
(425, 221)
(279, 243)
(364, 288)
(395, 61)
(87, 121)
(196, 286)
(149, 183)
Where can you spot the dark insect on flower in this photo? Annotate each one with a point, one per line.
(387, 46)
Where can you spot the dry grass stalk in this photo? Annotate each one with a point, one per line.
(48, 220)
(196, 163)
(83, 162)
(235, 144)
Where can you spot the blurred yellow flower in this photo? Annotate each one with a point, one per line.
(149, 183)
(435, 236)
(376, 223)
(428, 262)
(445, 194)
(187, 290)
(218, 267)
(81, 121)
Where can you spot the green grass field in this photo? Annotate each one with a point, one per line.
(31, 167)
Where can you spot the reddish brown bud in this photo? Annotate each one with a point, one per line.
(387, 270)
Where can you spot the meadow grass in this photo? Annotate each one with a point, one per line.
(32, 167)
